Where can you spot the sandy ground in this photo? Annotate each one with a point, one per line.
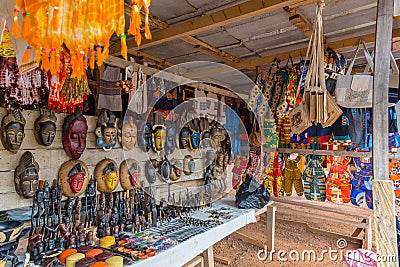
(290, 236)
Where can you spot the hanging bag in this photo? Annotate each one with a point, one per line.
(355, 91)
(317, 105)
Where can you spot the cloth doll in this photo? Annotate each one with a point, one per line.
(338, 181)
(314, 179)
(362, 183)
(292, 176)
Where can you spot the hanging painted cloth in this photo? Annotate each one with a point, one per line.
(138, 98)
(283, 132)
(292, 176)
(362, 183)
(338, 181)
(394, 175)
(238, 170)
(314, 179)
(110, 93)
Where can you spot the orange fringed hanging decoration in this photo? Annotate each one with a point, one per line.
(120, 28)
(147, 33)
(27, 55)
(18, 6)
(136, 21)
(92, 57)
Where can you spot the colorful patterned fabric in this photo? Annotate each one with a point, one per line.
(274, 177)
(314, 179)
(292, 176)
(394, 175)
(338, 181)
(361, 190)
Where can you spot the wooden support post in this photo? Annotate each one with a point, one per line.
(248, 239)
(222, 260)
(385, 224)
(367, 242)
(208, 256)
(271, 227)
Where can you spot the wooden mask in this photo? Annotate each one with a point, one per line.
(12, 131)
(106, 130)
(74, 177)
(106, 175)
(127, 133)
(170, 141)
(151, 170)
(184, 138)
(26, 176)
(145, 136)
(129, 173)
(74, 133)
(45, 127)
(176, 170)
(159, 134)
(188, 165)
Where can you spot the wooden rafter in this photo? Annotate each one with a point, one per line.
(217, 19)
(298, 19)
(210, 50)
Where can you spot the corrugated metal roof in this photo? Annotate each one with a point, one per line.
(264, 35)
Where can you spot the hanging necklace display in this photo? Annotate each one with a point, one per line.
(45, 127)
(158, 138)
(151, 170)
(26, 176)
(12, 130)
(145, 136)
(74, 177)
(129, 174)
(106, 175)
(127, 132)
(106, 130)
(74, 131)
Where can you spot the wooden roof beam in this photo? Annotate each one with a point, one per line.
(214, 20)
(298, 19)
(210, 50)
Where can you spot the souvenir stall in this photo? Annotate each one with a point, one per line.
(113, 156)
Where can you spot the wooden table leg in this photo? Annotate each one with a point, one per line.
(271, 227)
(208, 256)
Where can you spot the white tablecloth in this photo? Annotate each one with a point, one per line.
(185, 251)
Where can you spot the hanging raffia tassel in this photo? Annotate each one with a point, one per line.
(38, 56)
(53, 68)
(124, 48)
(99, 56)
(85, 62)
(136, 22)
(15, 27)
(26, 25)
(147, 32)
(92, 57)
(27, 54)
(58, 60)
(45, 60)
(138, 38)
